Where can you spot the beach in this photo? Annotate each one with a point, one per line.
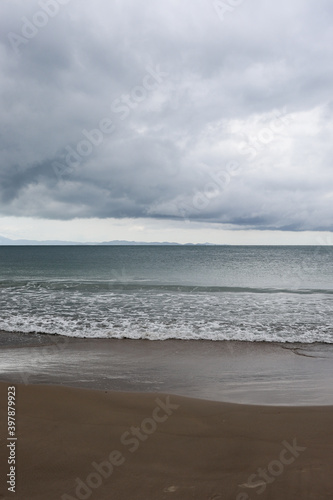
(125, 438)
(67, 439)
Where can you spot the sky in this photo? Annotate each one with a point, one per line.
(187, 121)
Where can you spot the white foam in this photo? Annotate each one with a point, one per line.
(161, 316)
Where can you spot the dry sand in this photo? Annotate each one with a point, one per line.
(164, 447)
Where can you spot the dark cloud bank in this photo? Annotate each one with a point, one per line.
(196, 110)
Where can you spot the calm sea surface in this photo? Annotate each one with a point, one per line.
(280, 294)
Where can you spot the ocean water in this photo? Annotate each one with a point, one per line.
(273, 294)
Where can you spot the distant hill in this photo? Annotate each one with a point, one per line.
(7, 241)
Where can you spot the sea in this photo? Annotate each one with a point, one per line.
(244, 293)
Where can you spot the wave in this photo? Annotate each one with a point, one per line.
(146, 285)
(180, 335)
(161, 311)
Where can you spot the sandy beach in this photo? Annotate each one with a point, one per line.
(121, 437)
(76, 443)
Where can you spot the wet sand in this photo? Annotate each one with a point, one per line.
(240, 372)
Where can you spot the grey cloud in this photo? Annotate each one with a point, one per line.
(174, 136)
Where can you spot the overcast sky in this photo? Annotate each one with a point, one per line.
(184, 120)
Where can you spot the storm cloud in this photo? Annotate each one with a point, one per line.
(212, 111)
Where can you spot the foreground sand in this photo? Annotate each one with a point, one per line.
(184, 448)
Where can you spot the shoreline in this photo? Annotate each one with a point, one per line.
(83, 443)
(18, 338)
